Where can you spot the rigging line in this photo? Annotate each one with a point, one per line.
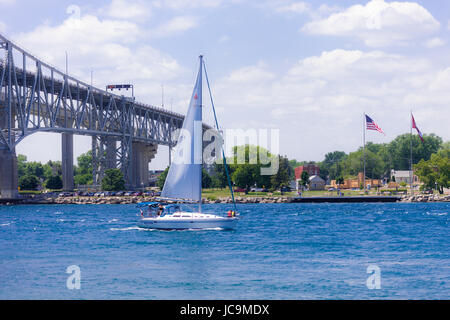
(218, 129)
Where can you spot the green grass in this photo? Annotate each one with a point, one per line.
(214, 194)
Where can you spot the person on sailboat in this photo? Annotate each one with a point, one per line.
(160, 210)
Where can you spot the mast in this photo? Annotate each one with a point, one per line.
(201, 137)
(410, 159)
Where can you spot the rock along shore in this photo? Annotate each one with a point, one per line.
(137, 199)
(426, 198)
(224, 200)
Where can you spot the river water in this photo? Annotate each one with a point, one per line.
(278, 251)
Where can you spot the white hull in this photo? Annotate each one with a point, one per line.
(183, 221)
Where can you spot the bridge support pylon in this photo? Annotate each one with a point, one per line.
(142, 154)
(8, 174)
(67, 161)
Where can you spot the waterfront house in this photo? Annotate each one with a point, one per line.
(404, 176)
(316, 183)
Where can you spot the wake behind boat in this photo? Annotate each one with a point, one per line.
(184, 179)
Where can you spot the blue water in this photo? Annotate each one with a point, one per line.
(278, 251)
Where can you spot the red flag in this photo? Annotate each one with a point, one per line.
(414, 126)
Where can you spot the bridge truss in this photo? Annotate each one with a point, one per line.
(36, 97)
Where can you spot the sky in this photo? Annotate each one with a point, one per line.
(310, 69)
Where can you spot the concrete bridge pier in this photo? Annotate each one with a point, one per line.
(142, 154)
(67, 161)
(9, 179)
(8, 174)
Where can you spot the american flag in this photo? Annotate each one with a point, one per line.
(371, 125)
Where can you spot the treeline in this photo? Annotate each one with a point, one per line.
(337, 165)
(430, 159)
(380, 158)
(244, 175)
(33, 175)
(435, 172)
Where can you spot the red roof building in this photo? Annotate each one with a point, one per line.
(312, 170)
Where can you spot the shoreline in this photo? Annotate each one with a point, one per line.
(78, 200)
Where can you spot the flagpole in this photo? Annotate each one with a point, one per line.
(364, 152)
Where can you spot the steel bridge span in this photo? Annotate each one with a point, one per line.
(36, 97)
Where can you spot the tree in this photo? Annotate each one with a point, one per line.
(206, 179)
(331, 167)
(83, 172)
(28, 182)
(113, 180)
(21, 165)
(248, 174)
(85, 163)
(282, 177)
(244, 176)
(83, 179)
(34, 169)
(400, 149)
(162, 178)
(52, 168)
(354, 164)
(219, 176)
(436, 171)
(54, 183)
(305, 178)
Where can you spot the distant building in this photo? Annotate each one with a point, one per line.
(312, 170)
(316, 183)
(293, 185)
(357, 183)
(404, 176)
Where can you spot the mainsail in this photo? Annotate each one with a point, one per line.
(184, 180)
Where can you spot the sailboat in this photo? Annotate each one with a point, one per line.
(184, 179)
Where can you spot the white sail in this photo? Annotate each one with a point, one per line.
(184, 180)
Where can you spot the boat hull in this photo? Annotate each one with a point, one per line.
(164, 223)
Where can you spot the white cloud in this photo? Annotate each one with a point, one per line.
(434, 42)
(186, 4)
(174, 26)
(7, 2)
(293, 7)
(87, 37)
(126, 9)
(378, 23)
(322, 98)
(113, 49)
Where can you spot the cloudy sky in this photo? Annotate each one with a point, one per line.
(308, 68)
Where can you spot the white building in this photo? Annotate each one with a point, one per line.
(404, 176)
(316, 183)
